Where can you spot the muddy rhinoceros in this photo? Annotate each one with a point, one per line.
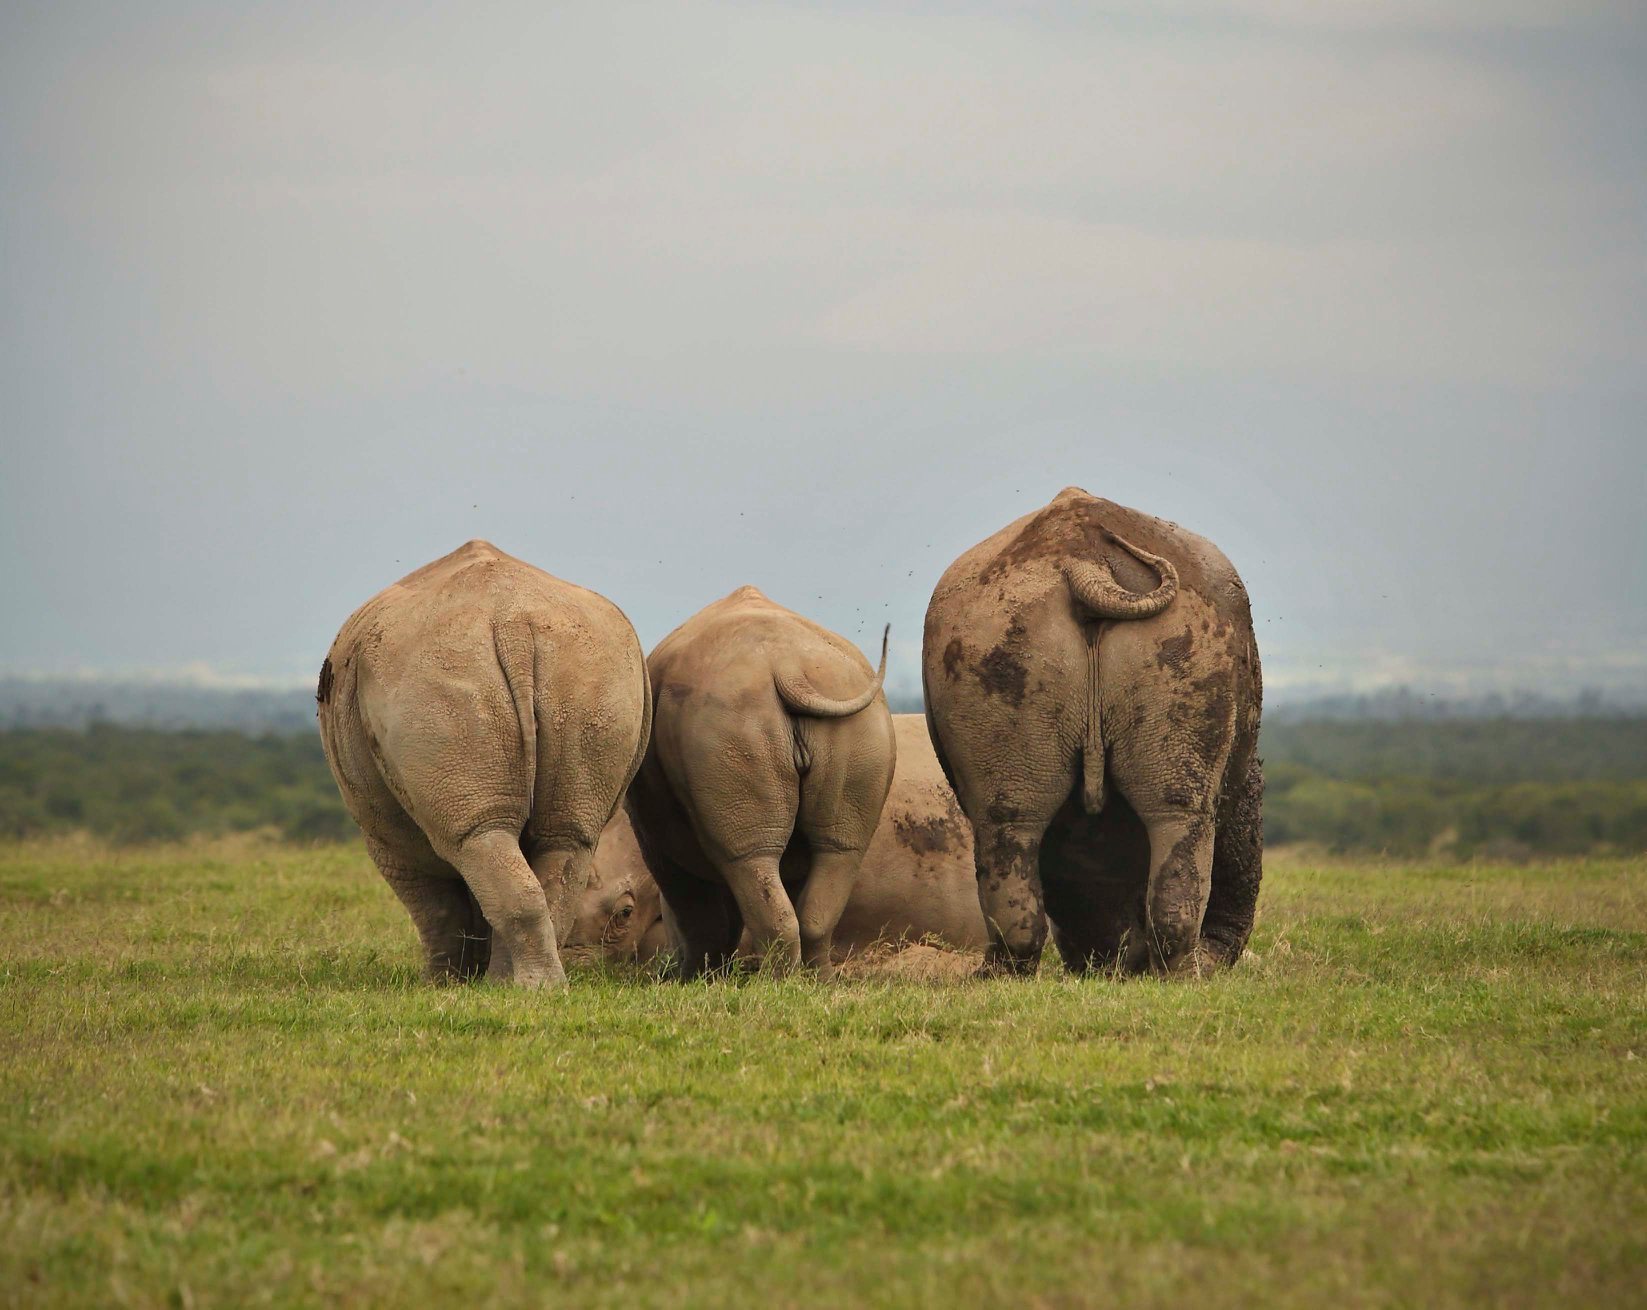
(1093, 689)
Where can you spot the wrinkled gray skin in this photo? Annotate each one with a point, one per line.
(916, 882)
(771, 755)
(482, 720)
(1093, 690)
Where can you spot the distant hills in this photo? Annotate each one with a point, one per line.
(80, 702)
(1406, 704)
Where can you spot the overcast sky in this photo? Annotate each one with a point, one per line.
(666, 299)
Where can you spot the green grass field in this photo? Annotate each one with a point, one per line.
(222, 1083)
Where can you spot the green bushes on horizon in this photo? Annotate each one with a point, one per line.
(1479, 752)
(1410, 816)
(138, 784)
(1496, 788)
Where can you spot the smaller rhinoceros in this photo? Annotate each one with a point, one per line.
(917, 882)
(482, 720)
(771, 742)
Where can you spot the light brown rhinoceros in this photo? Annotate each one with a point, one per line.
(482, 720)
(1093, 689)
(916, 882)
(772, 742)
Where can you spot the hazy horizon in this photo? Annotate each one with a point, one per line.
(668, 299)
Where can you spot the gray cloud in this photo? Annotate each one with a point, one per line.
(670, 298)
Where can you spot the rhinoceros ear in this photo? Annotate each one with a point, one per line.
(1095, 587)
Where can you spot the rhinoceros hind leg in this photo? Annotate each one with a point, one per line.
(766, 908)
(455, 936)
(502, 966)
(1009, 893)
(1180, 880)
(703, 919)
(829, 885)
(1237, 869)
(513, 902)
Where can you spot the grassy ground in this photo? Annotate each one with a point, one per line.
(221, 1082)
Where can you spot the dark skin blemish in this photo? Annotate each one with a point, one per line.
(1173, 654)
(1062, 530)
(952, 659)
(1212, 703)
(1001, 674)
(323, 689)
(924, 836)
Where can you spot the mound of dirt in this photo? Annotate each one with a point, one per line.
(911, 960)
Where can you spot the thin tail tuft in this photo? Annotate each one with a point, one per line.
(799, 695)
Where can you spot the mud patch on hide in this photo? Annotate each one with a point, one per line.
(1174, 653)
(1001, 812)
(924, 836)
(952, 659)
(1062, 530)
(1215, 721)
(1001, 673)
(1237, 867)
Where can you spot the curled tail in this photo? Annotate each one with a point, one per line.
(1095, 590)
(798, 694)
(1095, 587)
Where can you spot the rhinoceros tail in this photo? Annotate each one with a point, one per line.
(1092, 746)
(797, 693)
(1094, 585)
(1096, 591)
(516, 648)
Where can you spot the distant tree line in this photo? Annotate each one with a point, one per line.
(175, 706)
(1482, 751)
(1400, 703)
(34, 702)
(147, 784)
(1502, 787)
(1413, 816)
